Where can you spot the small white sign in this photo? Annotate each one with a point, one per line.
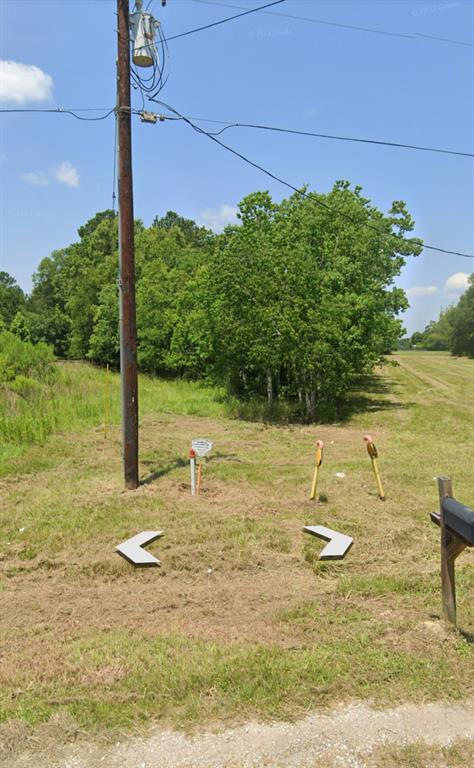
(201, 446)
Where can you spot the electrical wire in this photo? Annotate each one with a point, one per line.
(61, 111)
(228, 124)
(223, 21)
(114, 182)
(373, 30)
(64, 111)
(295, 189)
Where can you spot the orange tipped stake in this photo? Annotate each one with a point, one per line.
(318, 461)
(372, 451)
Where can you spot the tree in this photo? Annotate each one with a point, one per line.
(104, 341)
(437, 334)
(19, 327)
(417, 339)
(67, 287)
(462, 335)
(194, 235)
(12, 298)
(296, 302)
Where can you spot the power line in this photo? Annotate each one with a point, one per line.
(228, 124)
(373, 30)
(231, 124)
(178, 116)
(223, 21)
(64, 111)
(445, 40)
(295, 189)
(114, 181)
(61, 111)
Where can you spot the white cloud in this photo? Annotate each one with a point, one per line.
(421, 290)
(457, 283)
(66, 174)
(36, 178)
(20, 83)
(217, 218)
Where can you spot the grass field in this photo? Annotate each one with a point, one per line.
(241, 619)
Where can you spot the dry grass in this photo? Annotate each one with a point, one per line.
(271, 631)
(459, 755)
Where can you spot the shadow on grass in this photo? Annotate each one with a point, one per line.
(217, 456)
(370, 394)
(179, 462)
(160, 471)
(468, 636)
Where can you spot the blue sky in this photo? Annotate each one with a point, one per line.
(56, 172)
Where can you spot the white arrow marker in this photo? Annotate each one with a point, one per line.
(338, 545)
(132, 549)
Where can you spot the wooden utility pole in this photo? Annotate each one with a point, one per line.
(128, 325)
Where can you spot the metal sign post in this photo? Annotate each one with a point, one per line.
(200, 447)
(192, 463)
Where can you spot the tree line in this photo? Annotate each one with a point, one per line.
(293, 303)
(453, 331)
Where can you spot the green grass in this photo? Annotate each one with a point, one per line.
(182, 681)
(76, 400)
(273, 631)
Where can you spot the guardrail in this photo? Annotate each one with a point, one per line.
(456, 522)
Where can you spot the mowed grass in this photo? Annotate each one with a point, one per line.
(242, 619)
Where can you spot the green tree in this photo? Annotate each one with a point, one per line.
(12, 298)
(19, 327)
(417, 339)
(296, 302)
(437, 334)
(462, 335)
(68, 284)
(104, 342)
(194, 235)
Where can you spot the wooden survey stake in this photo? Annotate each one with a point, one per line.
(372, 451)
(318, 461)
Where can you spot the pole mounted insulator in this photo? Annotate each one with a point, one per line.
(148, 117)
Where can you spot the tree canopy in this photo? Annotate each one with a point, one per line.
(292, 303)
(454, 328)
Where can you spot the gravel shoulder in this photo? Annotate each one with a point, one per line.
(348, 737)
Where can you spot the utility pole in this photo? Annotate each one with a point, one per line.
(128, 325)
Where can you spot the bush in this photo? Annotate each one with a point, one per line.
(20, 358)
